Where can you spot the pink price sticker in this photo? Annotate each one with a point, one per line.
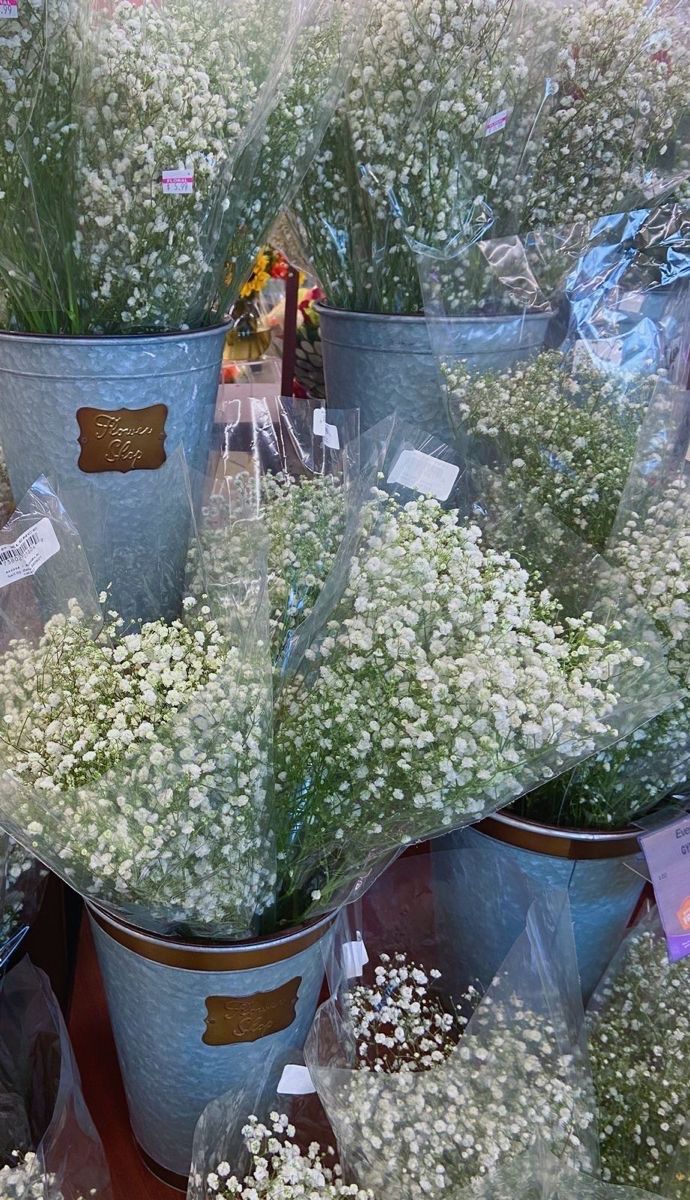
(667, 852)
(9, 10)
(497, 122)
(178, 183)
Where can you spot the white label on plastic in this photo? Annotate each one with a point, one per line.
(330, 437)
(355, 958)
(424, 473)
(319, 424)
(687, 456)
(32, 548)
(9, 9)
(295, 1081)
(497, 122)
(178, 183)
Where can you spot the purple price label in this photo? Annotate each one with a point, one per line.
(667, 852)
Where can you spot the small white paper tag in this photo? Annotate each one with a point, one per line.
(319, 422)
(687, 455)
(295, 1081)
(178, 183)
(550, 86)
(330, 437)
(424, 473)
(355, 958)
(32, 548)
(497, 122)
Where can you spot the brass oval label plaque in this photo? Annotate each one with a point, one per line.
(234, 1019)
(122, 439)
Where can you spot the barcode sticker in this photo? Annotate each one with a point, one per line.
(295, 1081)
(9, 10)
(355, 958)
(178, 183)
(32, 548)
(424, 473)
(497, 122)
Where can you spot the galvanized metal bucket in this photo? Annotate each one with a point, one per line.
(602, 873)
(193, 1021)
(102, 417)
(384, 363)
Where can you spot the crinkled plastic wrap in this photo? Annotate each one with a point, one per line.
(22, 881)
(42, 1109)
(149, 149)
(639, 1032)
(376, 746)
(174, 833)
(650, 545)
(514, 1068)
(539, 1175)
(288, 463)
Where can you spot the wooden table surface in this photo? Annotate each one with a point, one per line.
(100, 1075)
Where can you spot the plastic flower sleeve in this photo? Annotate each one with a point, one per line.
(427, 1091)
(615, 112)
(167, 140)
(135, 764)
(22, 881)
(639, 1031)
(538, 1175)
(44, 1119)
(649, 545)
(288, 463)
(409, 705)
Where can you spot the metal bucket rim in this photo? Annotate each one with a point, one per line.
(206, 955)
(99, 339)
(332, 311)
(540, 838)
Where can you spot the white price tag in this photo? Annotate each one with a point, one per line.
(9, 9)
(330, 437)
(319, 422)
(32, 548)
(424, 473)
(295, 1081)
(497, 122)
(321, 428)
(178, 183)
(355, 958)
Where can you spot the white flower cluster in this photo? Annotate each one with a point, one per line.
(440, 687)
(564, 434)
(24, 1179)
(639, 1040)
(431, 74)
(399, 1024)
(652, 549)
(304, 518)
(280, 1170)
(428, 1132)
(137, 765)
(94, 112)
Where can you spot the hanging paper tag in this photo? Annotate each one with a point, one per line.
(321, 428)
(355, 958)
(497, 122)
(319, 422)
(9, 9)
(178, 183)
(31, 549)
(667, 852)
(424, 473)
(295, 1081)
